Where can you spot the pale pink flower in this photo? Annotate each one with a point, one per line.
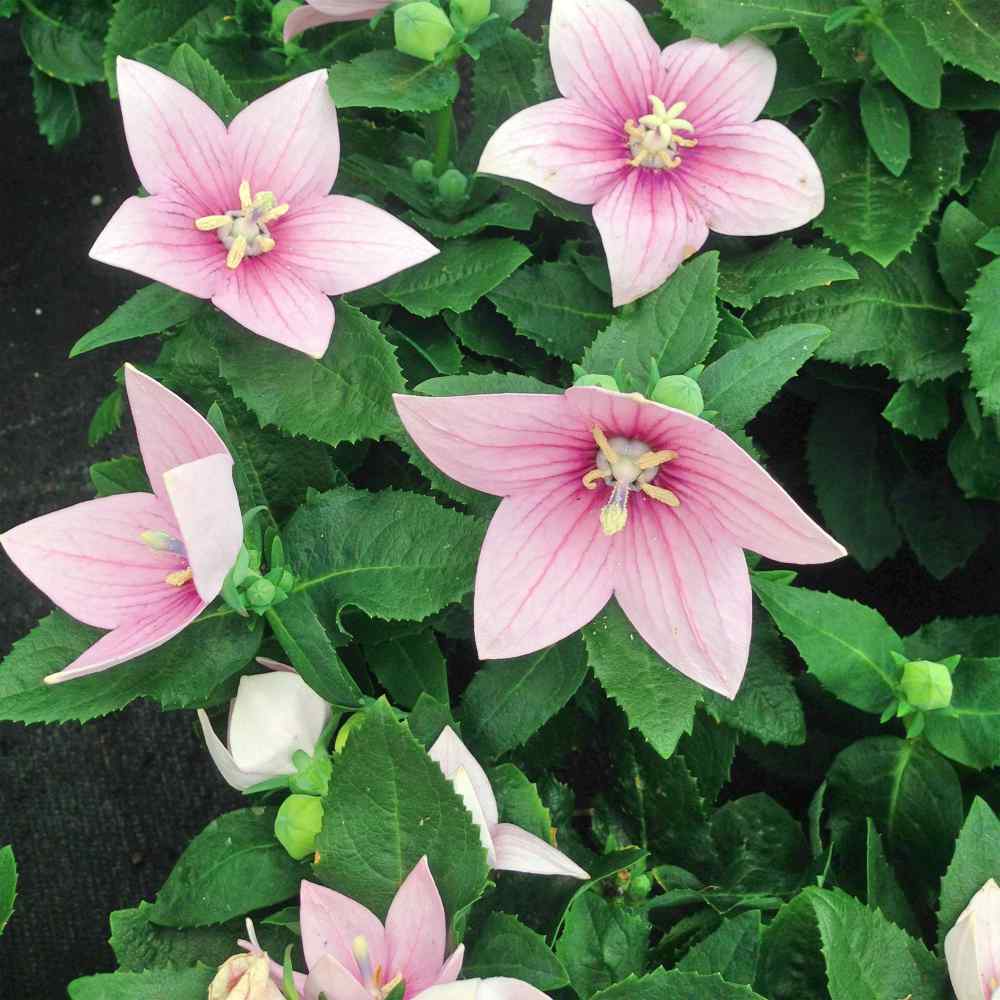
(243, 215)
(972, 947)
(315, 13)
(352, 956)
(244, 977)
(664, 145)
(508, 847)
(144, 565)
(607, 493)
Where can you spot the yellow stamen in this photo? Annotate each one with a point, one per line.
(633, 130)
(670, 162)
(639, 159)
(613, 518)
(275, 212)
(263, 200)
(179, 577)
(659, 493)
(681, 141)
(602, 442)
(236, 253)
(653, 458)
(246, 202)
(265, 244)
(675, 109)
(592, 478)
(681, 123)
(209, 222)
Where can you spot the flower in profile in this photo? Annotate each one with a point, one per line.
(243, 215)
(664, 145)
(273, 716)
(144, 565)
(508, 847)
(352, 956)
(315, 13)
(972, 947)
(244, 977)
(606, 493)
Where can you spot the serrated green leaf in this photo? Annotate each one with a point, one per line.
(519, 802)
(941, 638)
(57, 110)
(919, 410)
(968, 731)
(962, 91)
(107, 417)
(791, 962)
(974, 461)
(731, 951)
(900, 49)
(976, 860)
(505, 947)
(60, 49)
(887, 125)
(8, 885)
(990, 241)
(984, 200)
(409, 666)
(511, 211)
(958, 258)
(466, 385)
(964, 32)
(389, 79)
(119, 475)
(196, 73)
(678, 985)
(983, 344)
(177, 984)
(882, 891)
(484, 331)
(798, 80)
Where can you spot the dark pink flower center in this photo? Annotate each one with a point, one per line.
(243, 231)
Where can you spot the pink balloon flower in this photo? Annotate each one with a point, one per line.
(315, 13)
(243, 215)
(144, 565)
(664, 145)
(508, 847)
(606, 493)
(972, 947)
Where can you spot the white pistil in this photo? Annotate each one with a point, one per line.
(160, 541)
(653, 142)
(243, 231)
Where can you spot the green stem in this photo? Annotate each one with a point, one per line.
(444, 130)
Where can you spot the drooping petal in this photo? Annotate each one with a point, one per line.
(451, 754)
(316, 13)
(170, 432)
(963, 968)
(604, 57)
(520, 851)
(452, 966)
(287, 142)
(464, 788)
(416, 930)
(721, 85)
(275, 302)
(330, 924)
(752, 180)
(329, 978)
(302, 19)
(544, 570)
(235, 776)
(563, 146)
(503, 443)
(156, 237)
(338, 244)
(91, 561)
(177, 142)
(648, 229)
(972, 946)
(498, 988)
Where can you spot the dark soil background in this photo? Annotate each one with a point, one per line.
(98, 814)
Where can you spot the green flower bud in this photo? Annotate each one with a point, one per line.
(602, 381)
(346, 729)
(299, 820)
(422, 30)
(926, 685)
(422, 171)
(452, 185)
(639, 887)
(470, 12)
(680, 392)
(261, 594)
(313, 774)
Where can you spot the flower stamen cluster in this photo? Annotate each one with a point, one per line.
(653, 142)
(243, 231)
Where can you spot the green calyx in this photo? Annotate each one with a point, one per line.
(248, 586)
(679, 391)
(452, 185)
(422, 30)
(297, 824)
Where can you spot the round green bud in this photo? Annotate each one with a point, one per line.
(471, 12)
(261, 594)
(639, 887)
(299, 820)
(422, 171)
(926, 685)
(601, 381)
(680, 392)
(422, 30)
(346, 729)
(452, 185)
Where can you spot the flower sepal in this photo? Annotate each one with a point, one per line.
(248, 587)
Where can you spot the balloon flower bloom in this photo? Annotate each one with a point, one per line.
(972, 947)
(243, 215)
(664, 144)
(606, 493)
(144, 565)
(315, 13)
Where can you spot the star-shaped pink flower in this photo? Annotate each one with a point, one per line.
(243, 215)
(607, 493)
(664, 145)
(315, 13)
(144, 565)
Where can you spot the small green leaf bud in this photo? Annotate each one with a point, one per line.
(346, 729)
(639, 887)
(422, 171)
(422, 30)
(926, 685)
(452, 185)
(602, 381)
(470, 12)
(299, 820)
(261, 594)
(680, 392)
(313, 774)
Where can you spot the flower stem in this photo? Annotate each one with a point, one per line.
(444, 131)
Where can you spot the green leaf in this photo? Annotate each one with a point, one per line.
(969, 730)
(900, 49)
(196, 73)
(392, 554)
(779, 269)
(57, 110)
(867, 209)
(389, 79)
(601, 943)
(659, 701)
(974, 461)
(748, 377)
(107, 417)
(887, 125)
(465, 385)
(505, 947)
(511, 211)
(846, 645)
(983, 345)
(8, 885)
(919, 410)
(179, 674)
(964, 32)
(519, 802)
(410, 666)
(179, 984)
(791, 963)
(798, 81)
(675, 325)
(943, 637)
(958, 258)
(961, 91)
(882, 886)
(731, 951)
(508, 701)
(976, 860)
(554, 305)
(366, 853)
(344, 396)
(984, 201)
(119, 475)
(232, 867)
(60, 49)
(678, 985)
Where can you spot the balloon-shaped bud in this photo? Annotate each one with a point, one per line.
(299, 820)
(680, 392)
(244, 977)
(469, 13)
(422, 171)
(926, 685)
(452, 185)
(601, 381)
(422, 30)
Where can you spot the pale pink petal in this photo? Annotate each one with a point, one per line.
(416, 930)
(316, 13)
(520, 851)
(273, 301)
(604, 57)
(234, 776)
(170, 432)
(963, 969)
(972, 946)
(287, 141)
(338, 244)
(138, 636)
(721, 85)
(451, 754)
(563, 146)
(545, 570)
(503, 443)
(177, 142)
(752, 180)
(156, 237)
(90, 560)
(331, 922)
(685, 587)
(466, 989)
(327, 977)
(204, 501)
(452, 966)
(499, 988)
(648, 229)
(465, 790)
(302, 19)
